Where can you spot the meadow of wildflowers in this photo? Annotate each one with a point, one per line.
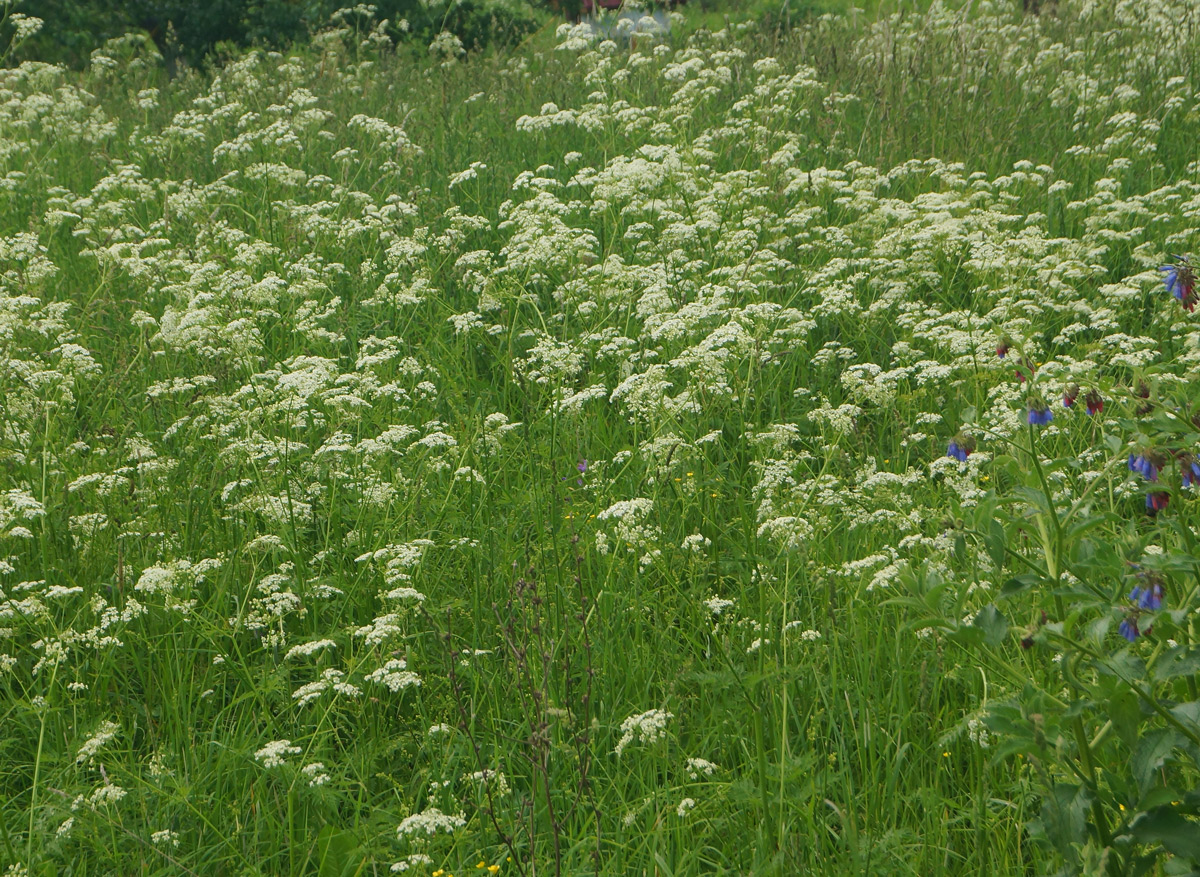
(736, 453)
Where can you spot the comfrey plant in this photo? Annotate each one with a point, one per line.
(1108, 716)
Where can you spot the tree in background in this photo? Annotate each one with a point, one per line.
(191, 30)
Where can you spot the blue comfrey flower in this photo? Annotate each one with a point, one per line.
(1144, 465)
(1180, 281)
(1129, 629)
(1157, 501)
(1039, 416)
(1189, 468)
(960, 448)
(1149, 597)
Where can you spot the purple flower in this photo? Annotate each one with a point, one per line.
(581, 465)
(1094, 402)
(1129, 629)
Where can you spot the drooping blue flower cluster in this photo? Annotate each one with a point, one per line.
(1143, 465)
(1180, 281)
(1149, 597)
(1039, 416)
(1145, 597)
(961, 447)
(1189, 468)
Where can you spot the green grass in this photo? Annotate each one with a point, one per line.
(251, 335)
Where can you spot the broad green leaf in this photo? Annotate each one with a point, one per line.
(1064, 816)
(1151, 754)
(1163, 825)
(1020, 583)
(993, 624)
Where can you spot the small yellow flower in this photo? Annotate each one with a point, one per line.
(438, 873)
(492, 869)
(481, 865)
(944, 755)
(690, 474)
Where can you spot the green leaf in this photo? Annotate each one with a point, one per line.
(1188, 714)
(1064, 816)
(1125, 712)
(1125, 665)
(1077, 529)
(336, 852)
(1035, 498)
(1020, 583)
(1096, 629)
(1151, 754)
(993, 624)
(1181, 664)
(1163, 825)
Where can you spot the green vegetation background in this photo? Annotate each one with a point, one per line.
(192, 30)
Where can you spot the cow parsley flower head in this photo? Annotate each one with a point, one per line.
(275, 753)
(646, 727)
(430, 822)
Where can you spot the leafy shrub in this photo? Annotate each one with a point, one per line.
(192, 29)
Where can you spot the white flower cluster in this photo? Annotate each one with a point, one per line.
(430, 822)
(275, 753)
(646, 727)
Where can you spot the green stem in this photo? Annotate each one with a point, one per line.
(1053, 558)
(37, 769)
(1089, 765)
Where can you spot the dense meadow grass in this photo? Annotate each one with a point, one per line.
(536, 463)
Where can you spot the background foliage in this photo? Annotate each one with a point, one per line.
(193, 29)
